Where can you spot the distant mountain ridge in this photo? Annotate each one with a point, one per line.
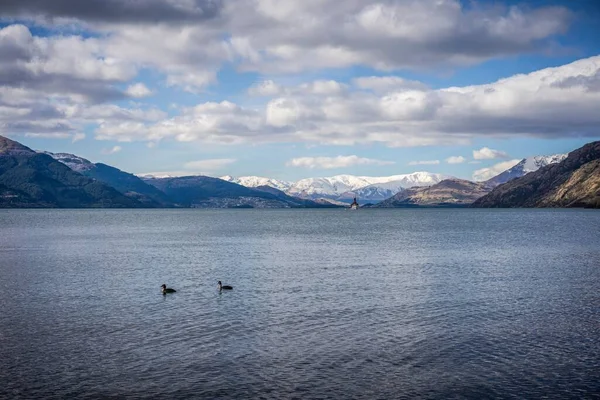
(344, 187)
(256, 181)
(459, 192)
(574, 182)
(525, 166)
(43, 179)
(209, 192)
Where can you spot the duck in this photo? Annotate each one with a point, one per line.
(166, 290)
(224, 287)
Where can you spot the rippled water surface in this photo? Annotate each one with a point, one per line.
(326, 304)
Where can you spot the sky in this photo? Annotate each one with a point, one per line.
(293, 89)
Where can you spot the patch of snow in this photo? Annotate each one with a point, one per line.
(525, 166)
(255, 181)
(154, 176)
(72, 161)
(532, 164)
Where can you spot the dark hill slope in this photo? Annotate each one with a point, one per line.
(129, 185)
(449, 192)
(30, 179)
(207, 192)
(524, 167)
(574, 182)
(126, 183)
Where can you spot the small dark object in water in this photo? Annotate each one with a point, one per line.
(224, 287)
(166, 290)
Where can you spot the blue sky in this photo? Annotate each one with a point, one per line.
(290, 90)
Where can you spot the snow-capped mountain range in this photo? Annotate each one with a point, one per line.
(525, 166)
(375, 189)
(256, 181)
(344, 187)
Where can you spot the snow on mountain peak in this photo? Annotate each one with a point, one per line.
(255, 181)
(368, 188)
(526, 166)
(72, 161)
(532, 164)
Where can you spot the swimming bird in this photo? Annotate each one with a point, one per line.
(226, 287)
(166, 290)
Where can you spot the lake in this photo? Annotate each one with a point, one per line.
(413, 303)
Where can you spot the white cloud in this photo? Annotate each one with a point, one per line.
(189, 41)
(484, 174)
(456, 160)
(138, 90)
(409, 105)
(322, 87)
(112, 113)
(530, 105)
(61, 66)
(289, 111)
(49, 85)
(319, 87)
(265, 88)
(426, 162)
(190, 57)
(223, 122)
(209, 165)
(386, 84)
(54, 86)
(385, 35)
(334, 162)
(485, 153)
(112, 150)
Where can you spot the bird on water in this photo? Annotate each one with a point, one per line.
(224, 287)
(166, 290)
